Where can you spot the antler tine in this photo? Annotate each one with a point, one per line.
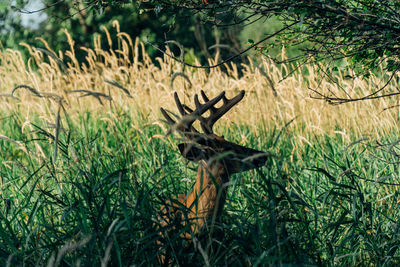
(209, 104)
(201, 108)
(205, 98)
(179, 104)
(183, 125)
(216, 113)
(167, 117)
(189, 116)
(197, 102)
(187, 108)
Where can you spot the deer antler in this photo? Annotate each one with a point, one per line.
(189, 116)
(216, 113)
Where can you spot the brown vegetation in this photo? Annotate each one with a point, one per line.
(129, 80)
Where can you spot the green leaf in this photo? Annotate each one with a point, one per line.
(3, 5)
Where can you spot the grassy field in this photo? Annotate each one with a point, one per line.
(85, 163)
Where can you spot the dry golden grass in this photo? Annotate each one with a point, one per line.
(149, 85)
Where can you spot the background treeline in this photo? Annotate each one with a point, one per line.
(152, 26)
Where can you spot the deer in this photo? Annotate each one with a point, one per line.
(218, 160)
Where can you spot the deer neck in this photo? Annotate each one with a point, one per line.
(208, 196)
(211, 176)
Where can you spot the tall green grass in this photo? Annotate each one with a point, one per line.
(331, 204)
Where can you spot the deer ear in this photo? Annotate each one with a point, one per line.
(191, 152)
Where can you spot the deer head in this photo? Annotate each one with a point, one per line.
(208, 146)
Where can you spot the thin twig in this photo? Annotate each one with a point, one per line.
(230, 58)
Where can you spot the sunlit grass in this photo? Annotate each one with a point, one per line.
(148, 86)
